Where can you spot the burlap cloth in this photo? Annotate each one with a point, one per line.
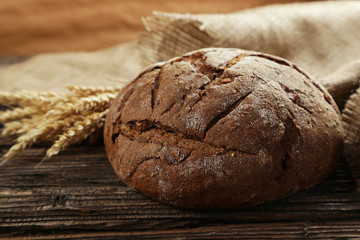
(322, 38)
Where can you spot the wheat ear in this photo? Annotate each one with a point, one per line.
(25, 98)
(85, 91)
(79, 131)
(17, 113)
(62, 118)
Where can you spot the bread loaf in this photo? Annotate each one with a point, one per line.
(221, 128)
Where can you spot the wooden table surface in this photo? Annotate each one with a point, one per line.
(77, 195)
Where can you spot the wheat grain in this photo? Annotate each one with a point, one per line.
(91, 103)
(23, 126)
(25, 98)
(80, 131)
(10, 128)
(45, 131)
(18, 113)
(12, 152)
(84, 91)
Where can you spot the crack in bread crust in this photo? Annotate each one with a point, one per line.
(151, 132)
(225, 113)
(293, 95)
(155, 86)
(281, 62)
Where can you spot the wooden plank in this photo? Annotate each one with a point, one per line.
(294, 230)
(78, 194)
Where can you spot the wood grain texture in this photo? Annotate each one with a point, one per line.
(77, 195)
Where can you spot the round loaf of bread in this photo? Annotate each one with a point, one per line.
(221, 128)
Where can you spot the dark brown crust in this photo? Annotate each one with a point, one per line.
(220, 128)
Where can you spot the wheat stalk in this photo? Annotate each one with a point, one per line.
(26, 98)
(78, 132)
(85, 91)
(18, 113)
(62, 118)
(11, 128)
(90, 103)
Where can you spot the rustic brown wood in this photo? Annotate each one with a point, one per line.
(77, 195)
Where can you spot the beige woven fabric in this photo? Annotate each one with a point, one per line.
(350, 116)
(113, 66)
(320, 37)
